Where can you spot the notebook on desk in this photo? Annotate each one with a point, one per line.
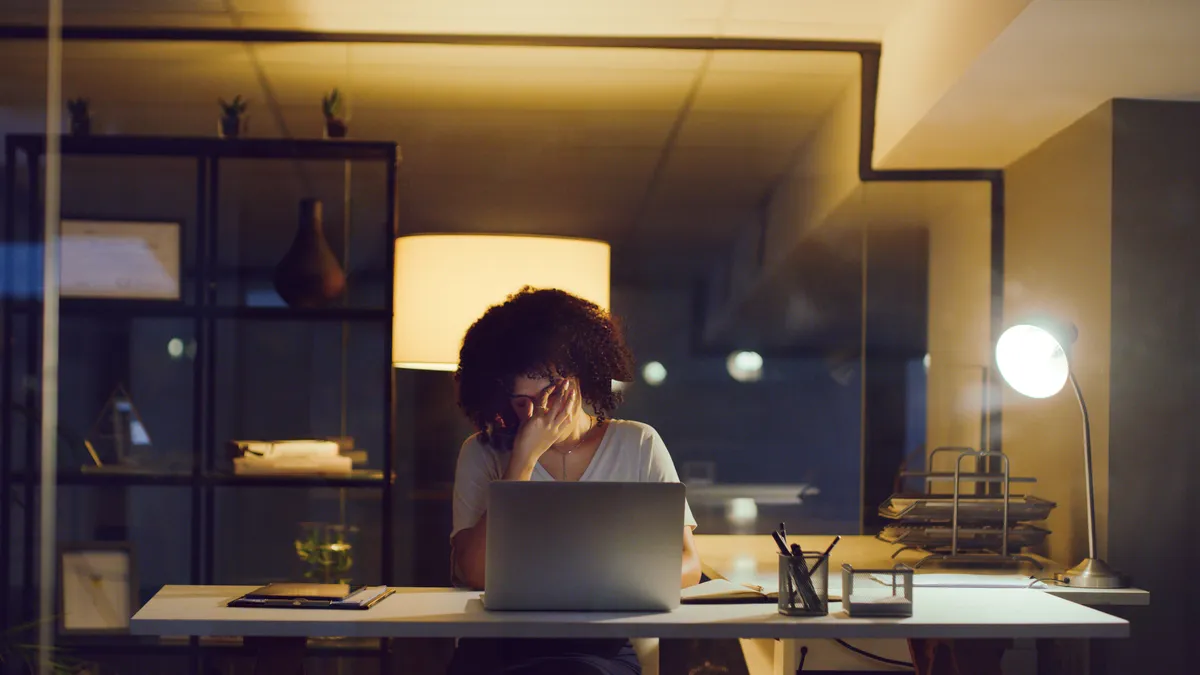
(313, 596)
(719, 591)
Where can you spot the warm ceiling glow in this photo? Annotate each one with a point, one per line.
(444, 282)
(1032, 361)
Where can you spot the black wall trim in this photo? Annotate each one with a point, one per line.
(169, 34)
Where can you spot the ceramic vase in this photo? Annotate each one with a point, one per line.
(309, 275)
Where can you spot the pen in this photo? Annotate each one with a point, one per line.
(834, 543)
(781, 544)
(783, 532)
(825, 555)
(783, 550)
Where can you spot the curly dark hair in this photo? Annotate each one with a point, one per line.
(538, 333)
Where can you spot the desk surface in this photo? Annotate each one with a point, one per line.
(747, 558)
(429, 612)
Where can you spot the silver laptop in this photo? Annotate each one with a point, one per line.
(591, 546)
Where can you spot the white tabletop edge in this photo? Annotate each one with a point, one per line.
(443, 613)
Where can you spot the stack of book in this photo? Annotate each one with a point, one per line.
(306, 457)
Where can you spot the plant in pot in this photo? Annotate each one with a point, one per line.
(333, 105)
(232, 122)
(19, 653)
(81, 116)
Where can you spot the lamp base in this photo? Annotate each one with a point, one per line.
(1092, 573)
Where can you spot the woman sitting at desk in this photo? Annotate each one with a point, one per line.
(535, 377)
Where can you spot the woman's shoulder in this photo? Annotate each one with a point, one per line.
(630, 432)
(474, 449)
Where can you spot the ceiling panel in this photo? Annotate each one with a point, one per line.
(721, 175)
(713, 129)
(769, 93)
(546, 141)
(792, 63)
(487, 129)
(807, 19)
(698, 226)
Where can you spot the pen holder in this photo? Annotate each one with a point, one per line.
(877, 592)
(804, 585)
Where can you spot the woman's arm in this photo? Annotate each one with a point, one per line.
(691, 559)
(468, 550)
(541, 428)
(660, 469)
(469, 547)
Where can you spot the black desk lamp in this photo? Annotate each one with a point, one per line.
(1032, 359)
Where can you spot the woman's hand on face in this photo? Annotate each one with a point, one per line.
(545, 423)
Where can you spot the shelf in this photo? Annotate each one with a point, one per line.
(356, 479)
(361, 478)
(365, 314)
(113, 478)
(133, 309)
(211, 146)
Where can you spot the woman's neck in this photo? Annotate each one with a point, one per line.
(583, 425)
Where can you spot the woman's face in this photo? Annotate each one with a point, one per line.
(531, 389)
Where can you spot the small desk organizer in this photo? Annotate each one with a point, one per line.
(804, 585)
(877, 592)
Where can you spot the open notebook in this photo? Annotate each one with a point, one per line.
(723, 590)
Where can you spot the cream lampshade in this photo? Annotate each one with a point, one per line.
(444, 282)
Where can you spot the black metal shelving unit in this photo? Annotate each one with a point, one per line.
(204, 310)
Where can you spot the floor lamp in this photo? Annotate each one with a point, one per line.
(1032, 358)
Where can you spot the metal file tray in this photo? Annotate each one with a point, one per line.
(933, 508)
(939, 537)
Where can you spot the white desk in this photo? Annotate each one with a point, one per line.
(749, 557)
(948, 613)
(442, 613)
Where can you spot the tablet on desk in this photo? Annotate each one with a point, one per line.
(313, 596)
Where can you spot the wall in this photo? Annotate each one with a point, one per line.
(1155, 376)
(959, 319)
(1057, 261)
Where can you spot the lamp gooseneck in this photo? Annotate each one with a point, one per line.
(1087, 464)
(1092, 572)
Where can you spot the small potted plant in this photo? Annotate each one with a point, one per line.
(81, 116)
(232, 122)
(333, 105)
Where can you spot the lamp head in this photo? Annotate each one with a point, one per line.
(1032, 356)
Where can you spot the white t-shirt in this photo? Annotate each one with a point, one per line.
(630, 452)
